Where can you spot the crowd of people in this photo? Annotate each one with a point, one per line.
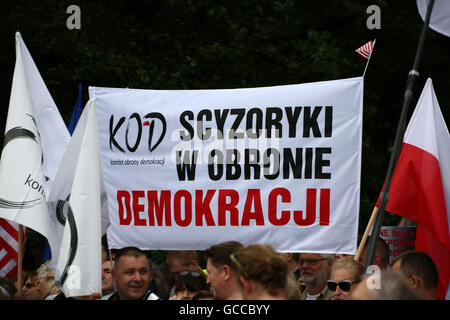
(232, 271)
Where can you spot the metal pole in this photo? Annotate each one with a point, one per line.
(412, 77)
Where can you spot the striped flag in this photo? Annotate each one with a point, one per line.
(420, 187)
(9, 240)
(366, 50)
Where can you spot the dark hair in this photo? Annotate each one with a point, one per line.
(191, 280)
(382, 249)
(420, 264)
(220, 253)
(129, 251)
(8, 285)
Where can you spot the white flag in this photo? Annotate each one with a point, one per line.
(76, 193)
(35, 138)
(440, 15)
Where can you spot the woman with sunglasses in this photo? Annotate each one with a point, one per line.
(345, 274)
(29, 289)
(188, 284)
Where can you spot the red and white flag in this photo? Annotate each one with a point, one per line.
(366, 50)
(9, 243)
(420, 185)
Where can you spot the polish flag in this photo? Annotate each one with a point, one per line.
(420, 185)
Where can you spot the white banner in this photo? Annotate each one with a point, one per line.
(187, 169)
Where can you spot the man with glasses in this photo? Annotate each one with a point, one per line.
(315, 270)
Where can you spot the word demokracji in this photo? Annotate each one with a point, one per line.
(182, 208)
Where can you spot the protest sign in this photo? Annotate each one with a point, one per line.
(186, 169)
(399, 239)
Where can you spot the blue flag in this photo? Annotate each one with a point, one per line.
(71, 127)
(76, 111)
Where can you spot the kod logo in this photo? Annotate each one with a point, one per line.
(127, 133)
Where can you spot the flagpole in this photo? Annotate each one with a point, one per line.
(19, 261)
(412, 77)
(370, 56)
(366, 233)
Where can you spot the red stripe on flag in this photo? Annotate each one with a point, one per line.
(8, 248)
(4, 260)
(9, 228)
(365, 50)
(417, 193)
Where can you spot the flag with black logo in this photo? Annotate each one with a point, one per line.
(35, 139)
(77, 201)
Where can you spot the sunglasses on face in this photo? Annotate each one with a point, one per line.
(28, 285)
(192, 273)
(344, 285)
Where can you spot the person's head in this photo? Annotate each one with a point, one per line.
(263, 272)
(107, 278)
(30, 291)
(105, 250)
(340, 256)
(45, 281)
(345, 275)
(221, 271)
(390, 286)
(131, 273)
(189, 283)
(7, 289)
(382, 253)
(315, 270)
(421, 272)
(180, 260)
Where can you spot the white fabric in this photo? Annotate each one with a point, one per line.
(440, 15)
(138, 169)
(427, 117)
(79, 178)
(29, 161)
(312, 296)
